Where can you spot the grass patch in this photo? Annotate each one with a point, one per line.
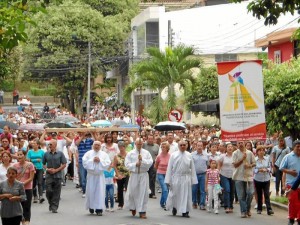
(282, 200)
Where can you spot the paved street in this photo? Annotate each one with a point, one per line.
(72, 212)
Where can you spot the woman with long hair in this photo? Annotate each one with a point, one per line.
(122, 173)
(110, 147)
(25, 175)
(226, 169)
(35, 155)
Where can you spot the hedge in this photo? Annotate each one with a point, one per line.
(43, 91)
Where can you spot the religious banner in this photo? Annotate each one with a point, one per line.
(242, 109)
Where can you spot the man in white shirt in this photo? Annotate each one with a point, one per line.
(172, 143)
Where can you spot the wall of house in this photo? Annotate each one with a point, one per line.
(209, 60)
(286, 49)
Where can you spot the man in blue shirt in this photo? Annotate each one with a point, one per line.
(84, 144)
(200, 159)
(291, 166)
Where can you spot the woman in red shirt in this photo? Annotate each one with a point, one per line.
(161, 164)
(26, 172)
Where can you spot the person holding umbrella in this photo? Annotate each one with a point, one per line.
(138, 162)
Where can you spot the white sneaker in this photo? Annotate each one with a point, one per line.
(107, 210)
(112, 209)
(216, 211)
(83, 196)
(264, 205)
(255, 207)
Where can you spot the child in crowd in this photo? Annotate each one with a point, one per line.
(212, 179)
(109, 194)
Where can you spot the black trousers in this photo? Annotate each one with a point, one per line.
(38, 182)
(122, 183)
(263, 188)
(27, 205)
(278, 182)
(12, 220)
(152, 179)
(53, 189)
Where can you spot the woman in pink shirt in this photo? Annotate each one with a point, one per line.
(25, 174)
(161, 164)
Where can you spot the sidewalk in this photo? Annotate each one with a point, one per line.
(273, 194)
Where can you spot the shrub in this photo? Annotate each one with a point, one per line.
(43, 91)
(7, 85)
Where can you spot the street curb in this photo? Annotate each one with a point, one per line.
(279, 205)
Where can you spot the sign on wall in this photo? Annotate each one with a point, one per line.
(242, 109)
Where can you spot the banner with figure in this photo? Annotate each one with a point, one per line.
(242, 109)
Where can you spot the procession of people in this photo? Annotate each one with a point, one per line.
(193, 168)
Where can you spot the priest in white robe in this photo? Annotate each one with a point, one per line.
(180, 176)
(95, 162)
(138, 161)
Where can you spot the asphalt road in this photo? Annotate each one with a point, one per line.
(71, 212)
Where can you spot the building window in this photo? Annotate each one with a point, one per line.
(152, 34)
(277, 57)
(225, 57)
(296, 48)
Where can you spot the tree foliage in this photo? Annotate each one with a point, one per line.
(282, 100)
(163, 70)
(57, 49)
(271, 10)
(15, 17)
(204, 88)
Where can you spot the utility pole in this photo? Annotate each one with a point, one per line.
(169, 33)
(88, 101)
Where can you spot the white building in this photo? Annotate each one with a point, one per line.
(224, 32)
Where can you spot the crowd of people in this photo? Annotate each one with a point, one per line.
(194, 169)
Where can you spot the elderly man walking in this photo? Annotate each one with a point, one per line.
(180, 176)
(95, 162)
(54, 161)
(138, 162)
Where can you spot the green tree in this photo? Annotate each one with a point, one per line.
(271, 10)
(57, 49)
(15, 17)
(282, 100)
(204, 88)
(164, 70)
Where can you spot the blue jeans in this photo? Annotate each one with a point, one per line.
(228, 186)
(201, 186)
(109, 194)
(245, 191)
(164, 189)
(82, 176)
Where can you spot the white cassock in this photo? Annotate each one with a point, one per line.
(180, 175)
(137, 195)
(95, 186)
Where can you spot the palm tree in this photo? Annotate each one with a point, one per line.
(164, 69)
